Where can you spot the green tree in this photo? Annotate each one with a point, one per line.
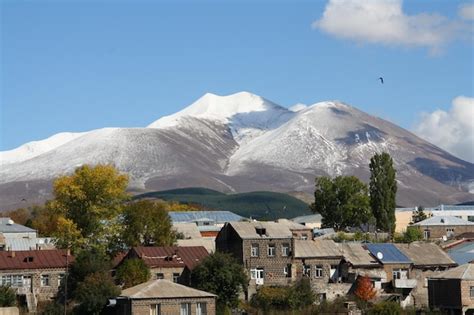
(94, 292)
(147, 223)
(386, 308)
(7, 296)
(342, 201)
(301, 294)
(419, 214)
(132, 272)
(383, 190)
(412, 234)
(222, 275)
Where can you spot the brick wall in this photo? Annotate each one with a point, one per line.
(466, 299)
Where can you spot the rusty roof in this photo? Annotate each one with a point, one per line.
(34, 259)
(171, 256)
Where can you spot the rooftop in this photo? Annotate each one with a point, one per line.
(171, 256)
(219, 217)
(317, 248)
(34, 259)
(425, 254)
(443, 220)
(357, 255)
(463, 272)
(162, 289)
(7, 225)
(387, 253)
(248, 230)
(311, 218)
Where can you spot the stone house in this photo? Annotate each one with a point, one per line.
(35, 275)
(172, 263)
(265, 250)
(163, 297)
(440, 227)
(428, 260)
(453, 290)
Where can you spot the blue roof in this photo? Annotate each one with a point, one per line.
(391, 254)
(193, 216)
(463, 253)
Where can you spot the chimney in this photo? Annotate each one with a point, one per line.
(13, 254)
(68, 252)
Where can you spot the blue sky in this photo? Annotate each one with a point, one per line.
(81, 65)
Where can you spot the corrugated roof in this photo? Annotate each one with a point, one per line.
(17, 243)
(171, 256)
(443, 220)
(316, 248)
(390, 253)
(248, 230)
(6, 226)
(463, 272)
(462, 253)
(163, 289)
(34, 259)
(220, 217)
(425, 254)
(357, 255)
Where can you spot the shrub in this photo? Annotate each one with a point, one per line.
(7, 296)
(385, 308)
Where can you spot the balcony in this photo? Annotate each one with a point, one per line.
(404, 283)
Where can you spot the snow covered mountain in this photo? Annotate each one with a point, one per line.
(242, 142)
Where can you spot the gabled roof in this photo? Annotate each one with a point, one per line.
(358, 256)
(7, 225)
(311, 218)
(248, 230)
(389, 253)
(163, 289)
(463, 272)
(443, 220)
(34, 259)
(189, 230)
(317, 248)
(171, 256)
(293, 226)
(220, 217)
(425, 254)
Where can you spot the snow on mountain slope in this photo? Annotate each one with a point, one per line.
(247, 115)
(31, 149)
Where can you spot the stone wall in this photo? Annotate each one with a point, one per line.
(466, 299)
(167, 306)
(437, 232)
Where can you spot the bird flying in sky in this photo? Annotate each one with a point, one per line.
(381, 80)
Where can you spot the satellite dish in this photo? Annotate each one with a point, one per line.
(379, 255)
(445, 238)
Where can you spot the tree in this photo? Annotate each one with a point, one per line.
(222, 275)
(147, 223)
(412, 234)
(94, 292)
(132, 272)
(419, 214)
(301, 294)
(67, 235)
(386, 308)
(20, 215)
(383, 190)
(7, 296)
(342, 201)
(365, 290)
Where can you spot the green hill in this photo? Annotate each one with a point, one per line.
(262, 205)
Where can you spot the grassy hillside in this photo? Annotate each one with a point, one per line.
(263, 205)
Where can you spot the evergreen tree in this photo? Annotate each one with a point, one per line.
(419, 214)
(383, 190)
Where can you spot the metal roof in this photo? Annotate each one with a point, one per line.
(34, 259)
(219, 217)
(7, 225)
(311, 218)
(391, 254)
(443, 220)
(163, 289)
(463, 272)
(425, 254)
(20, 243)
(189, 230)
(462, 253)
(171, 256)
(357, 255)
(248, 230)
(441, 208)
(293, 225)
(316, 248)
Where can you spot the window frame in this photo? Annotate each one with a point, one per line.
(176, 276)
(45, 278)
(256, 247)
(155, 309)
(199, 308)
(471, 292)
(285, 249)
(185, 308)
(271, 250)
(319, 271)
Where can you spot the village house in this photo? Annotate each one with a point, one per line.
(444, 227)
(35, 275)
(208, 223)
(428, 260)
(173, 263)
(15, 237)
(453, 290)
(189, 235)
(163, 297)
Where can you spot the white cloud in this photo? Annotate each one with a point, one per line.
(452, 130)
(384, 22)
(466, 11)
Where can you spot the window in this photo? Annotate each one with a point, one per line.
(201, 308)
(285, 249)
(185, 309)
(45, 280)
(304, 237)
(307, 270)
(470, 218)
(155, 309)
(271, 250)
(60, 279)
(450, 231)
(318, 271)
(400, 274)
(426, 234)
(254, 252)
(175, 277)
(12, 280)
(471, 292)
(287, 271)
(160, 275)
